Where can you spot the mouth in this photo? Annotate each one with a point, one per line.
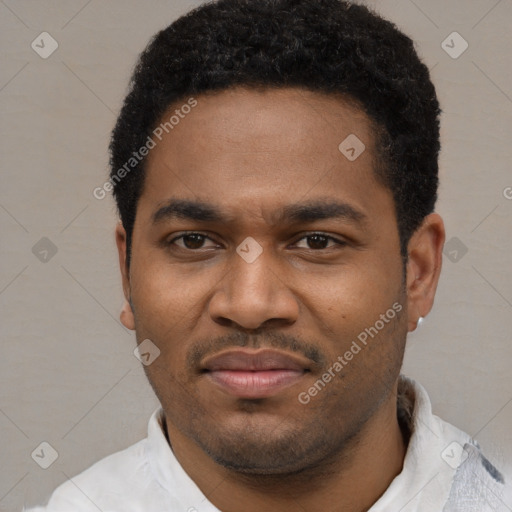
(252, 375)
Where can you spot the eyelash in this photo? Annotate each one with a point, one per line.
(340, 243)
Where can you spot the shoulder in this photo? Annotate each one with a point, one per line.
(478, 483)
(116, 475)
(465, 480)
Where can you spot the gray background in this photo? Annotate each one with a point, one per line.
(68, 375)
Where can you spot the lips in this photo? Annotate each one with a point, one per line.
(260, 374)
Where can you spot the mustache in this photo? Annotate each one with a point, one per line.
(269, 339)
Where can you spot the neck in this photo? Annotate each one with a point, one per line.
(352, 481)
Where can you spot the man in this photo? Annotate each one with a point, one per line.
(275, 167)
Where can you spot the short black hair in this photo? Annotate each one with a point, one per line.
(327, 46)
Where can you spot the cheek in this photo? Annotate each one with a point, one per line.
(169, 299)
(354, 299)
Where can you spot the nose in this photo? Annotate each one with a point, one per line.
(253, 294)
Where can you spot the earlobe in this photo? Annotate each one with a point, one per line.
(126, 316)
(424, 268)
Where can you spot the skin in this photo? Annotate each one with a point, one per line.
(250, 153)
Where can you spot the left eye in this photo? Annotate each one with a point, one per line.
(318, 241)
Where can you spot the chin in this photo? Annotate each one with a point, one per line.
(270, 451)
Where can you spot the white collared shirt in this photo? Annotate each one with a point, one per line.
(443, 471)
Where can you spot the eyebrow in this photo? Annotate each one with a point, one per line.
(310, 211)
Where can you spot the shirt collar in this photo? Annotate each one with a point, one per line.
(434, 452)
(168, 471)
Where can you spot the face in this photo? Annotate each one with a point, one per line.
(266, 269)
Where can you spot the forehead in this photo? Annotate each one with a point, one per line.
(257, 148)
(263, 119)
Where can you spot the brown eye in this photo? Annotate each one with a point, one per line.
(193, 241)
(318, 241)
(190, 241)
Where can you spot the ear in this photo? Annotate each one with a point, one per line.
(425, 257)
(126, 316)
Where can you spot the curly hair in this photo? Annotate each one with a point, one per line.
(325, 46)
